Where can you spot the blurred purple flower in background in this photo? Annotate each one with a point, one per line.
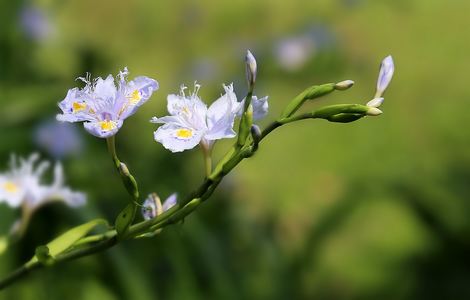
(293, 52)
(35, 23)
(58, 139)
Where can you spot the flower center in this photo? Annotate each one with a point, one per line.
(76, 106)
(107, 125)
(10, 187)
(135, 97)
(184, 133)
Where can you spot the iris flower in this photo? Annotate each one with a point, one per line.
(191, 122)
(22, 185)
(102, 105)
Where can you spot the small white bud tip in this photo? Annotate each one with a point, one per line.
(376, 102)
(251, 68)
(374, 111)
(344, 85)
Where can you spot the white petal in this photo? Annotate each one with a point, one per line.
(168, 136)
(260, 107)
(105, 89)
(376, 102)
(170, 201)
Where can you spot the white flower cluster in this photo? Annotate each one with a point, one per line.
(22, 185)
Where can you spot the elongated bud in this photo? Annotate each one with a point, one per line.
(129, 181)
(387, 67)
(310, 93)
(251, 69)
(344, 85)
(374, 111)
(256, 135)
(345, 118)
(376, 102)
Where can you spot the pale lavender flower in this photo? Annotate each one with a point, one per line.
(58, 139)
(103, 106)
(153, 207)
(22, 185)
(191, 122)
(35, 23)
(387, 68)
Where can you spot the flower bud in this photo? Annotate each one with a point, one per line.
(387, 68)
(344, 85)
(376, 102)
(152, 207)
(373, 111)
(251, 69)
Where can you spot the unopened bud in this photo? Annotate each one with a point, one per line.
(152, 207)
(376, 102)
(251, 69)
(373, 111)
(344, 85)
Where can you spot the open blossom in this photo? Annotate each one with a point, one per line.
(22, 185)
(191, 122)
(153, 207)
(102, 105)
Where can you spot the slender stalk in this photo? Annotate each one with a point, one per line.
(207, 154)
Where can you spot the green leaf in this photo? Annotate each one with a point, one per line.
(66, 240)
(124, 219)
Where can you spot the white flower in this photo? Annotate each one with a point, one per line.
(385, 75)
(190, 121)
(260, 107)
(102, 106)
(21, 185)
(153, 207)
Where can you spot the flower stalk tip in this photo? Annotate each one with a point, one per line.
(251, 69)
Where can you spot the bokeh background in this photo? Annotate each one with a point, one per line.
(376, 209)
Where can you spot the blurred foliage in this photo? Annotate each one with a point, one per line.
(376, 209)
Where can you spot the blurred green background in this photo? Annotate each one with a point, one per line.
(376, 209)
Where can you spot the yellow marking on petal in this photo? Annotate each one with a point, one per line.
(184, 133)
(135, 97)
(76, 106)
(107, 125)
(10, 187)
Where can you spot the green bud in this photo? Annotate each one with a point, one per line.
(332, 110)
(310, 93)
(245, 125)
(129, 181)
(344, 118)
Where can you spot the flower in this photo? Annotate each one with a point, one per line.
(385, 75)
(102, 106)
(58, 139)
(21, 185)
(260, 107)
(190, 121)
(153, 207)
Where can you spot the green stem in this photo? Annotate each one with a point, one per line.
(97, 243)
